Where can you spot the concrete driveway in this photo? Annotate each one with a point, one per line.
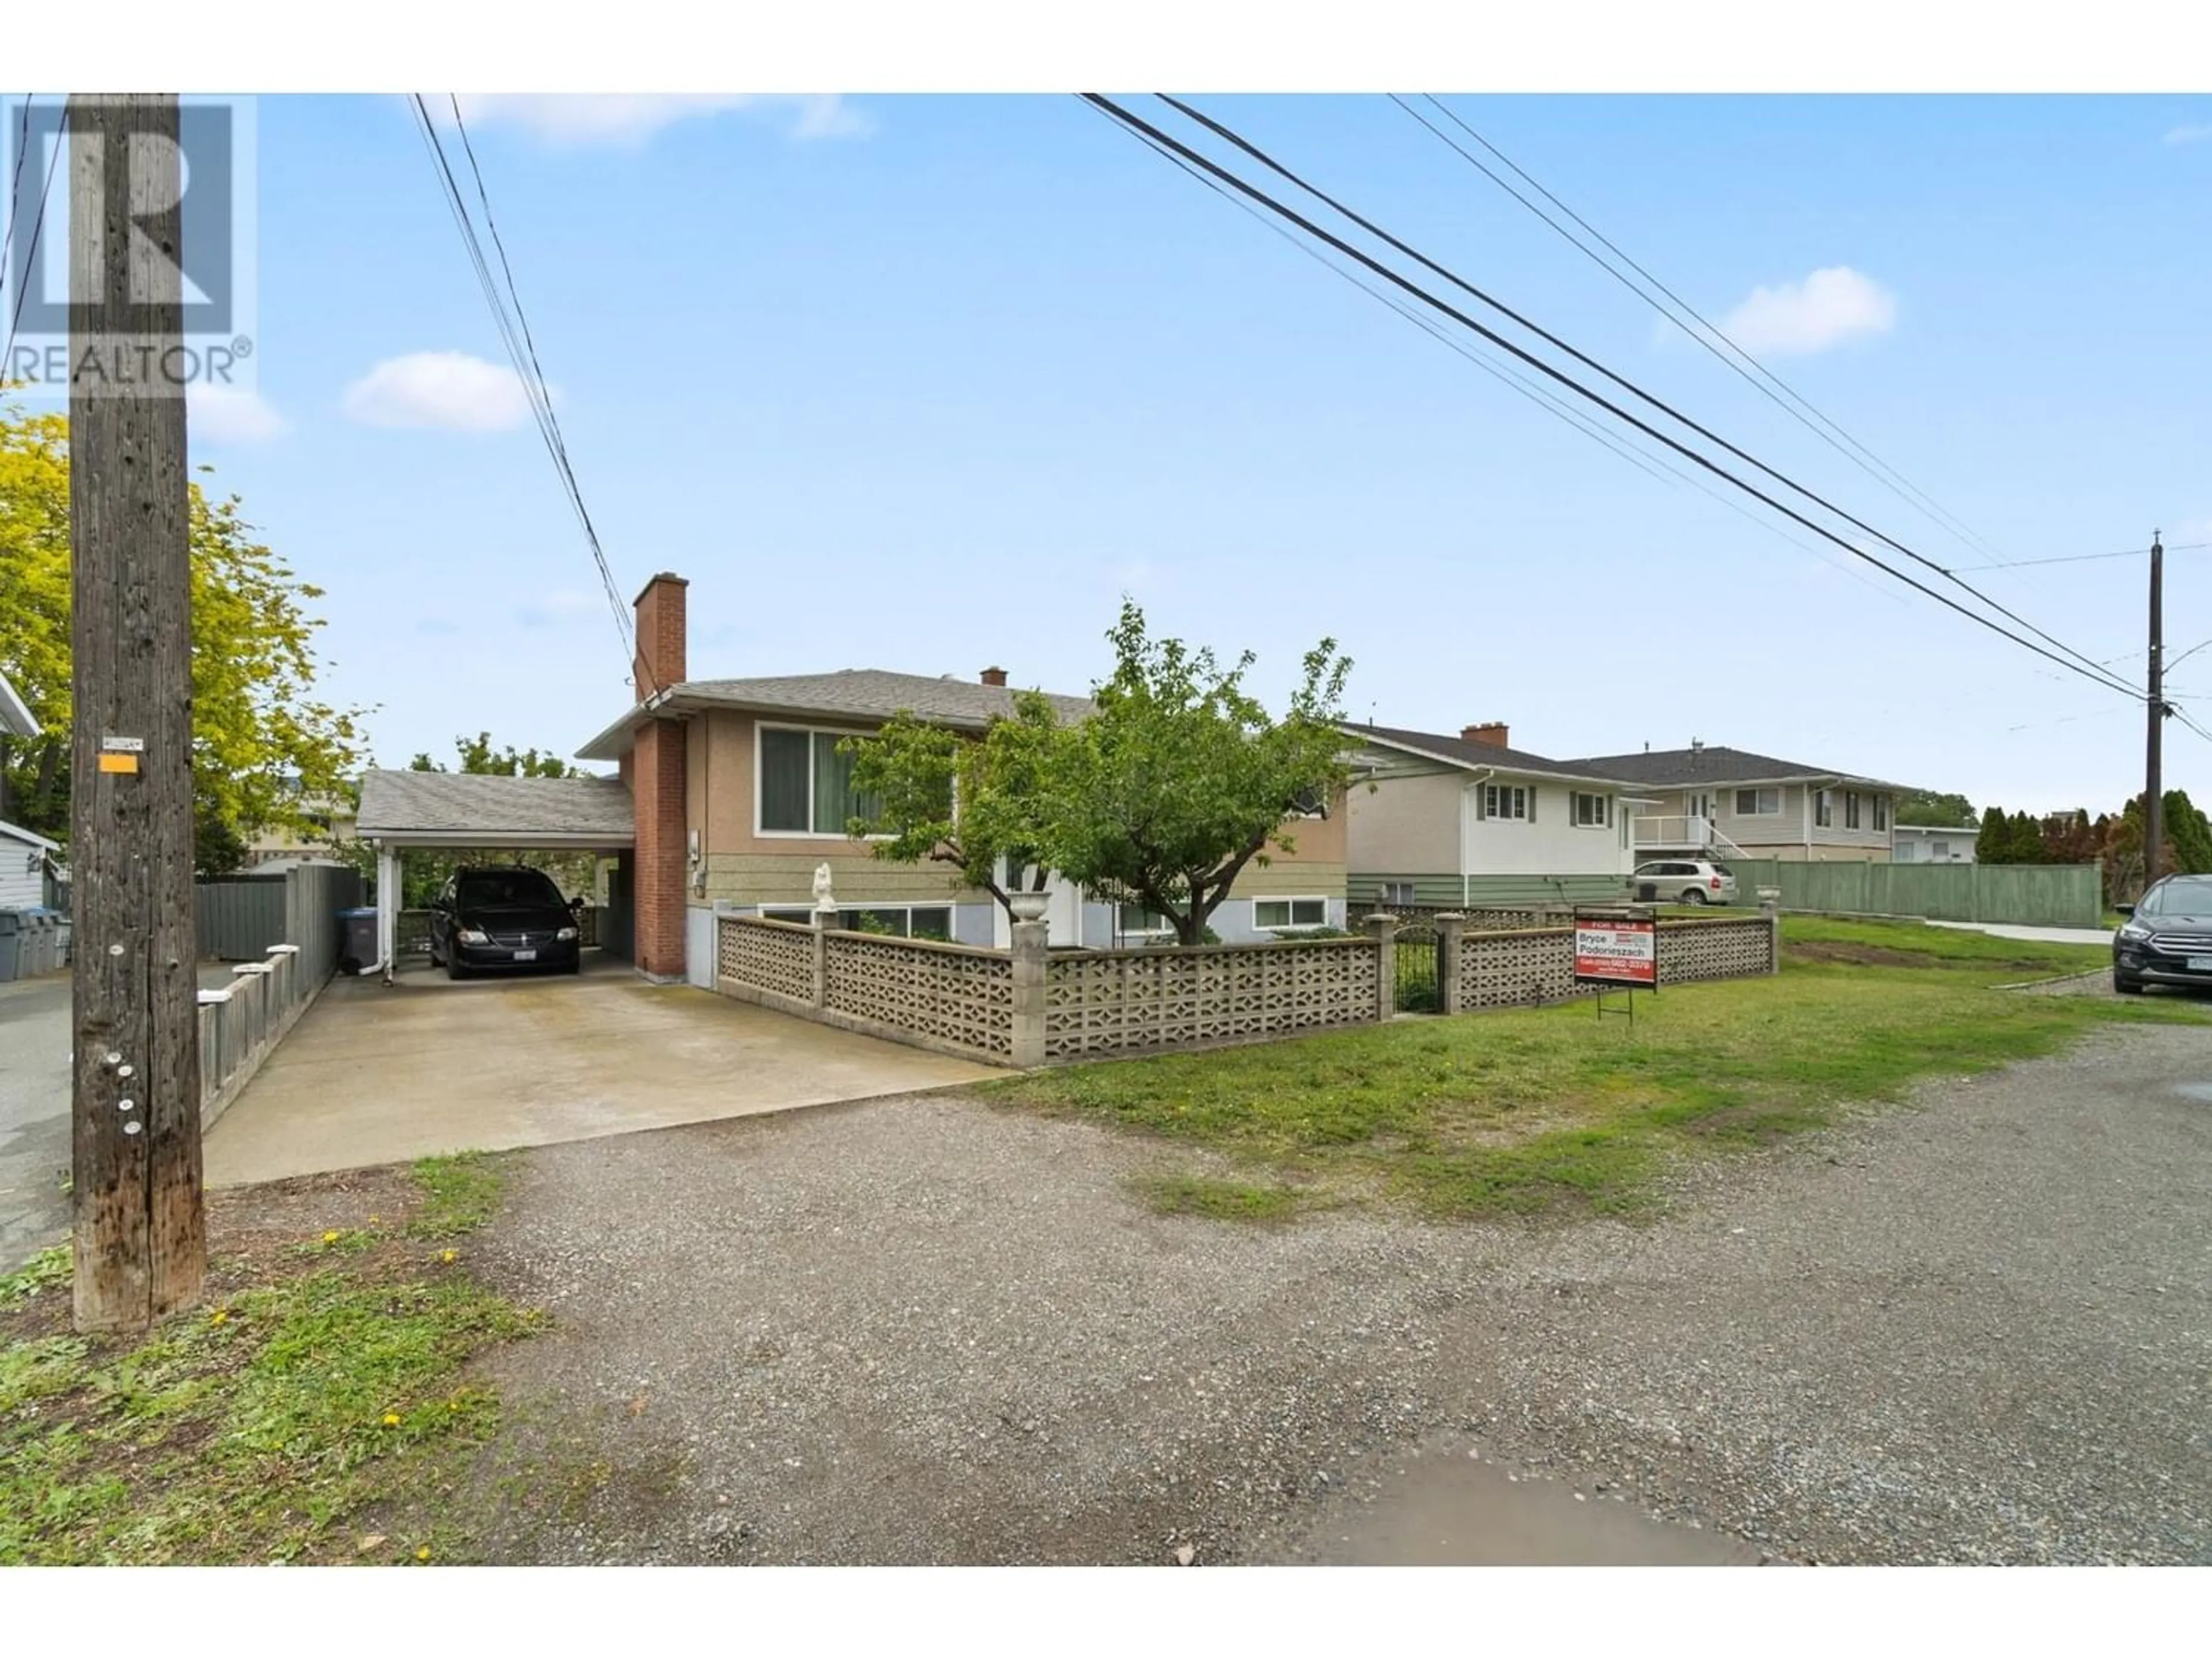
(34, 1115)
(376, 1074)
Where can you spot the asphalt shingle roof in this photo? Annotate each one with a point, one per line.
(504, 811)
(877, 694)
(1470, 753)
(1667, 768)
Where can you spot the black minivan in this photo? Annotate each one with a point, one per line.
(503, 918)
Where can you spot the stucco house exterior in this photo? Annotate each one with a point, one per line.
(1712, 800)
(739, 793)
(1932, 843)
(1434, 819)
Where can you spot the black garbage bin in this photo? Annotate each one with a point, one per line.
(1646, 891)
(356, 940)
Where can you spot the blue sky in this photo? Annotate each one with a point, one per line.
(928, 383)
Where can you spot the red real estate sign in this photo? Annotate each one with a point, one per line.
(1622, 951)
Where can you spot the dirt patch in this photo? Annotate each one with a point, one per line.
(1861, 956)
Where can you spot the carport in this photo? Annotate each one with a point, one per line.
(401, 811)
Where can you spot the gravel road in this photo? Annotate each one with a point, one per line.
(1973, 1329)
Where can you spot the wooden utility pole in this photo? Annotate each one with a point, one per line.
(2154, 785)
(141, 1245)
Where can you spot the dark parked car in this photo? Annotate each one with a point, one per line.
(2166, 938)
(503, 918)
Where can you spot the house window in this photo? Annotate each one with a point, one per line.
(806, 784)
(1505, 800)
(1759, 803)
(1882, 813)
(1397, 892)
(1136, 919)
(1309, 804)
(1850, 809)
(930, 922)
(1824, 808)
(1592, 811)
(1290, 912)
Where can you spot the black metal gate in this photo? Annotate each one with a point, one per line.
(1419, 989)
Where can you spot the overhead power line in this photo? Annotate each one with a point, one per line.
(31, 248)
(1658, 467)
(1738, 361)
(2084, 667)
(513, 326)
(2088, 667)
(2079, 558)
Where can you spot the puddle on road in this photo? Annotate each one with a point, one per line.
(1459, 1512)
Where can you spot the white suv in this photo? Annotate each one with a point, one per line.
(1692, 881)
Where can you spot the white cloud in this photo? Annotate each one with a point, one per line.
(231, 415)
(2190, 135)
(1795, 319)
(447, 390)
(632, 120)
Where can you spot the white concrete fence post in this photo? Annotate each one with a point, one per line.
(1450, 926)
(1770, 906)
(1029, 942)
(1382, 928)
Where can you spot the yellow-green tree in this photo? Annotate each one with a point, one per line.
(264, 746)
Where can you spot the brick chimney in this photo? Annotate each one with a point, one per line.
(655, 770)
(1490, 732)
(660, 661)
(994, 677)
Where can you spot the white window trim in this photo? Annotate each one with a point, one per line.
(1756, 793)
(1528, 793)
(1822, 800)
(805, 915)
(1165, 927)
(1259, 927)
(760, 800)
(1575, 796)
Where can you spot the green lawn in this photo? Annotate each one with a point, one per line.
(1520, 1111)
(314, 1408)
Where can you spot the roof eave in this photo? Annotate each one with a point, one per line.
(610, 840)
(1504, 763)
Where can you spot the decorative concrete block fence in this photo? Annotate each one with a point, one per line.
(1031, 1006)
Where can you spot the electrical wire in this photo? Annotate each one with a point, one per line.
(2080, 558)
(30, 248)
(2091, 671)
(15, 186)
(1658, 467)
(1758, 377)
(513, 324)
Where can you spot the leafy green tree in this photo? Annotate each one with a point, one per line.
(265, 748)
(1926, 807)
(1994, 844)
(972, 803)
(1181, 779)
(1162, 798)
(478, 756)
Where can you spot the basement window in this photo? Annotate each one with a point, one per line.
(1290, 912)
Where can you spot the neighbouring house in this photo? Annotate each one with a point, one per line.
(741, 792)
(16, 722)
(1714, 801)
(331, 820)
(1469, 821)
(1933, 843)
(27, 867)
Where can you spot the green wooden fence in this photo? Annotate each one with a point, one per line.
(2033, 894)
